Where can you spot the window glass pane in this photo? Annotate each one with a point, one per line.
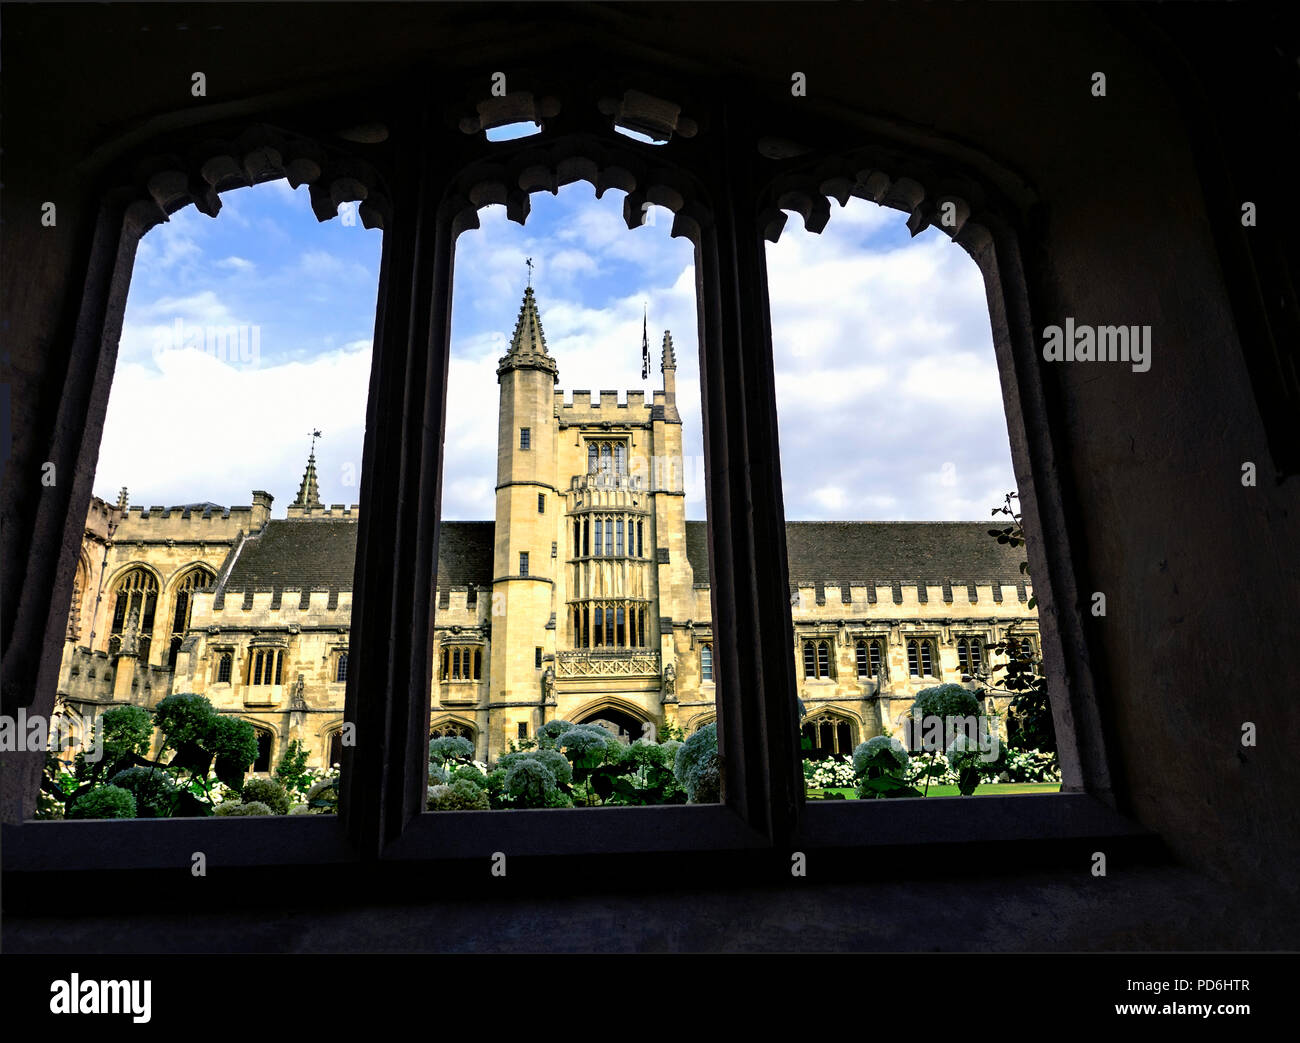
(876, 333)
(611, 619)
(222, 540)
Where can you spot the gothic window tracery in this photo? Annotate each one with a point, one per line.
(196, 579)
(921, 657)
(265, 666)
(817, 660)
(869, 657)
(462, 663)
(831, 736)
(136, 593)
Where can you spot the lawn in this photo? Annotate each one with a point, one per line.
(1001, 789)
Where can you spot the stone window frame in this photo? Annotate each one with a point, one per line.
(929, 642)
(880, 644)
(526, 439)
(707, 668)
(821, 651)
(982, 660)
(461, 662)
(726, 206)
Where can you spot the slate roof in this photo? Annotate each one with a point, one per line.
(882, 552)
(319, 553)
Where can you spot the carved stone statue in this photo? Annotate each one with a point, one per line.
(298, 700)
(670, 683)
(548, 685)
(131, 634)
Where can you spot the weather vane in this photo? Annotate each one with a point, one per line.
(315, 434)
(529, 262)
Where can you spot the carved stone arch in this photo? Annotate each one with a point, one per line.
(509, 179)
(593, 707)
(180, 573)
(452, 724)
(266, 750)
(180, 603)
(122, 570)
(833, 730)
(931, 191)
(700, 720)
(195, 165)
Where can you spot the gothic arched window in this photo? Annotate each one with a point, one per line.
(196, 579)
(867, 654)
(225, 666)
(136, 592)
(264, 742)
(970, 654)
(830, 734)
(706, 662)
(920, 657)
(341, 668)
(816, 660)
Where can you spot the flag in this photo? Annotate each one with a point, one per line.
(645, 347)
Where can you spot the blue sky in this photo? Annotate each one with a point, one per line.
(889, 396)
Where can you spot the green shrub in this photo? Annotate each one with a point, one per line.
(460, 795)
(292, 770)
(946, 700)
(530, 783)
(697, 766)
(234, 807)
(154, 790)
(323, 797)
(970, 762)
(550, 731)
(234, 744)
(881, 767)
(470, 774)
(450, 748)
(127, 733)
(269, 792)
(104, 802)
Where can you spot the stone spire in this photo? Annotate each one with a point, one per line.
(528, 343)
(308, 493)
(669, 368)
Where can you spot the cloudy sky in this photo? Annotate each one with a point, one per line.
(886, 382)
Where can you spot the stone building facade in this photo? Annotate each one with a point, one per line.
(587, 598)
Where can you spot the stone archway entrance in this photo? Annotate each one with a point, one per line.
(621, 723)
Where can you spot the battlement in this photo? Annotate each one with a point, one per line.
(196, 521)
(583, 408)
(334, 511)
(102, 518)
(938, 594)
(268, 606)
(463, 604)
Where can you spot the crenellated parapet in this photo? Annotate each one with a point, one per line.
(192, 523)
(335, 512)
(272, 607)
(602, 409)
(918, 597)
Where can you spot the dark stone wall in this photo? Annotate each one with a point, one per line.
(1124, 199)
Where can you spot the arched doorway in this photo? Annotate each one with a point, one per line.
(620, 722)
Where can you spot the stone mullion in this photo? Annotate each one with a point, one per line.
(384, 778)
(757, 719)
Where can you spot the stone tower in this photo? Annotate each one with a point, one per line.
(527, 519)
